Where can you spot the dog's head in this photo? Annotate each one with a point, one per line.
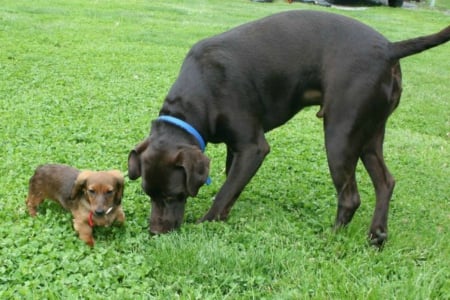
(102, 190)
(170, 173)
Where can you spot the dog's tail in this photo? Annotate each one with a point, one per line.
(412, 46)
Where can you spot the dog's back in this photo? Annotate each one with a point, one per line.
(277, 60)
(54, 182)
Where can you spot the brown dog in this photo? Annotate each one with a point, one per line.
(94, 198)
(236, 86)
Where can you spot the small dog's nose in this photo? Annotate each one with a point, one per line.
(99, 212)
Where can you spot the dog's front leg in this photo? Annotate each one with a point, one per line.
(84, 231)
(120, 219)
(242, 164)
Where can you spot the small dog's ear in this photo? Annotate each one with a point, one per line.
(119, 186)
(134, 160)
(196, 166)
(79, 184)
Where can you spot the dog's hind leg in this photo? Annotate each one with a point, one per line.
(354, 113)
(372, 154)
(372, 158)
(342, 157)
(33, 200)
(35, 194)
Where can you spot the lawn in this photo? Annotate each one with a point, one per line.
(80, 82)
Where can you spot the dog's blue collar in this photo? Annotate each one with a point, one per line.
(187, 127)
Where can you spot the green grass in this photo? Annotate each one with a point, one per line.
(80, 82)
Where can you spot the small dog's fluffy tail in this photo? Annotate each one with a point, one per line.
(412, 46)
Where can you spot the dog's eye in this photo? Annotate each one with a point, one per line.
(109, 193)
(91, 191)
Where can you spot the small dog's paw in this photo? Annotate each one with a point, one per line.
(120, 220)
(32, 213)
(90, 242)
(32, 210)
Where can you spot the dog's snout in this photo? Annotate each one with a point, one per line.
(99, 212)
(163, 227)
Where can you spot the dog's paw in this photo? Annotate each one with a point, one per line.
(32, 209)
(32, 213)
(378, 238)
(90, 242)
(210, 217)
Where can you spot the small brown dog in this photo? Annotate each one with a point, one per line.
(94, 198)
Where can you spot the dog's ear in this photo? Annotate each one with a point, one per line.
(196, 166)
(119, 186)
(79, 184)
(134, 160)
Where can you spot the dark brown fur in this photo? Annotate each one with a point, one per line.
(93, 198)
(238, 85)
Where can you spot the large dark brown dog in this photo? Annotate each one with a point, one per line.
(236, 86)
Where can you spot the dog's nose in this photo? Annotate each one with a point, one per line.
(99, 212)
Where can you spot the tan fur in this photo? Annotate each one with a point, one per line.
(87, 195)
